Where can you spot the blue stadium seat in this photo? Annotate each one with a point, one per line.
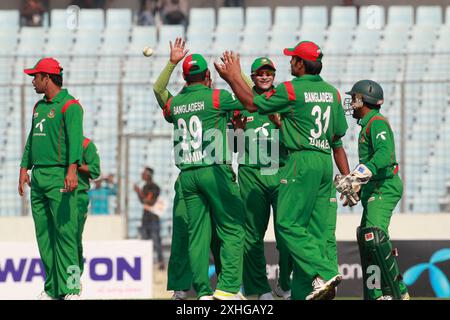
(258, 18)
(343, 17)
(287, 17)
(91, 19)
(202, 18)
(314, 17)
(429, 16)
(371, 17)
(119, 19)
(141, 37)
(9, 20)
(230, 18)
(401, 16)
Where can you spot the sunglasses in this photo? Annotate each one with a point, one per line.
(267, 73)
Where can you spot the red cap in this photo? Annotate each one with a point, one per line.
(46, 65)
(306, 50)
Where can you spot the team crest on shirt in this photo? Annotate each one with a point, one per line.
(51, 114)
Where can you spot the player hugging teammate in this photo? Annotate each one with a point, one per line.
(307, 114)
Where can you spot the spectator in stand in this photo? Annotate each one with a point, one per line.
(234, 3)
(147, 13)
(32, 13)
(174, 12)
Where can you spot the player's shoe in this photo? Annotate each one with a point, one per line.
(286, 295)
(331, 295)
(322, 288)
(179, 295)
(223, 295)
(44, 296)
(405, 296)
(385, 298)
(206, 298)
(266, 296)
(72, 296)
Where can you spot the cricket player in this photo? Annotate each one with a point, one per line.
(199, 116)
(312, 119)
(90, 169)
(377, 183)
(259, 188)
(54, 152)
(180, 277)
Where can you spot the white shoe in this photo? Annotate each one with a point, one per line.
(206, 298)
(322, 288)
(286, 295)
(404, 297)
(266, 296)
(179, 295)
(44, 296)
(223, 295)
(72, 296)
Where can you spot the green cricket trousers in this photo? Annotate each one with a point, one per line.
(56, 220)
(212, 196)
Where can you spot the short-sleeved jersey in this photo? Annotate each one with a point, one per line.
(376, 146)
(56, 134)
(92, 159)
(261, 135)
(311, 113)
(200, 115)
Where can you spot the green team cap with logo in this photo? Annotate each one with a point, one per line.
(262, 62)
(194, 64)
(307, 50)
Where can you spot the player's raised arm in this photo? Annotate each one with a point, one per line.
(230, 71)
(177, 53)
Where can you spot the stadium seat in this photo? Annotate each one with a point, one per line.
(447, 16)
(58, 19)
(9, 20)
(168, 33)
(422, 40)
(254, 43)
(287, 17)
(199, 40)
(202, 18)
(395, 39)
(92, 19)
(400, 16)
(371, 17)
(230, 19)
(339, 41)
(32, 40)
(119, 19)
(343, 17)
(281, 39)
(115, 41)
(59, 41)
(443, 43)
(87, 42)
(141, 37)
(312, 34)
(258, 18)
(81, 70)
(429, 16)
(366, 41)
(314, 17)
(226, 40)
(8, 39)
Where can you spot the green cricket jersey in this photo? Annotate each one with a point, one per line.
(200, 116)
(376, 146)
(259, 139)
(310, 110)
(56, 134)
(92, 159)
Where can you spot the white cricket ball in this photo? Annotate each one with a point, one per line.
(147, 51)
